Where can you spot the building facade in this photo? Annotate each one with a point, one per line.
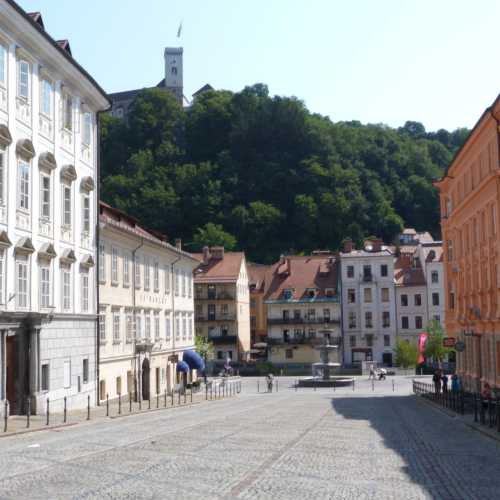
(222, 303)
(49, 109)
(368, 303)
(469, 196)
(303, 307)
(258, 309)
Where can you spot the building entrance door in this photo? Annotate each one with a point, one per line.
(145, 379)
(11, 365)
(387, 358)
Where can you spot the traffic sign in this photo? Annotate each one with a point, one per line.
(449, 342)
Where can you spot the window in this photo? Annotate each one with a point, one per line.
(167, 279)
(147, 273)
(385, 295)
(22, 296)
(174, 70)
(45, 285)
(404, 300)
(368, 319)
(45, 196)
(68, 112)
(86, 213)
(85, 290)
(190, 333)
(183, 277)
(147, 325)
(102, 262)
(352, 319)
(3, 65)
(177, 327)
(351, 296)
(114, 265)
(156, 276)
(311, 314)
(369, 340)
(417, 299)
(367, 292)
(452, 300)
(326, 315)
(220, 354)
(350, 271)
(367, 273)
(85, 371)
(23, 202)
(116, 327)
(46, 98)
(435, 299)
(436, 317)
(418, 322)
(3, 156)
(287, 294)
(138, 325)
(387, 341)
(102, 324)
(168, 330)
(137, 272)
(86, 128)
(66, 206)
(404, 322)
(66, 288)
(386, 319)
(311, 293)
(126, 269)
(435, 277)
(23, 81)
(330, 292)
(157, 324)
(289, 353)
(67, 374)
(184, 327)
(129, 332)
(383, 270)
(352, 340)
(45, 377)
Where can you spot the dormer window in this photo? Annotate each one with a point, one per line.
(330, 292)
(288, 294)
(311, 293)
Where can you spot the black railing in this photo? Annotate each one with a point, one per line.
(302, 340)
(303, 321)
(216, 317)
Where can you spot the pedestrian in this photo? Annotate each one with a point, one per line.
(372, 373)
(486, 394)
(444, 380)
(270, 383)
(436, 378)
(455, 383)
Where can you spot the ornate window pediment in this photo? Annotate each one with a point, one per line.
(47, 251)
(4, 240)
(68, 173)
(5, 137)
(24, 245)
(25, 149)
(87, 261)
(68, 256)
(47, 161)
(87, 184)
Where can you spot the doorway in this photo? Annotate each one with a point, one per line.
(145, 379)
(387, 358)
(11, 369)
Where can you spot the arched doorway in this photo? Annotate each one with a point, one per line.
(145, 379)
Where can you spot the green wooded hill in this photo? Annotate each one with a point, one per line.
(263, 174)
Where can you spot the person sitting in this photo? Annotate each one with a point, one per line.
(382, 374)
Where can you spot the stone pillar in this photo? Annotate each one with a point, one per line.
(34, 365)
(3, 364)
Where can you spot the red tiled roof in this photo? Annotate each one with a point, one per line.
(299, 273)
(226, 269)
(405, 274)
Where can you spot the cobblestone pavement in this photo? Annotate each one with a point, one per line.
(305, 444)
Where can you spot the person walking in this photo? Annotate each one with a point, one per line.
(444, 380)
(270, 383)
(436, 379)
(372, 373)
(455, 383)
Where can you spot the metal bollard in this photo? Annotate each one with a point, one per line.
(5, 415)
(296, 385)
(119, 404)
(172, 396)
(107, 405)
(393, 386)
(165, 398)
(258, 386)
(65, 410)
(353, 384)
(140, 402)
(315, 385)
(373, 385)
(179, 397)
(88, 407)
(48, 411)
(185, 394)
(191, 394)
(157, 400)
(211, 391)
(130, 402)
(277, 384)
(206, 392)
(28, 412)
(149, 402)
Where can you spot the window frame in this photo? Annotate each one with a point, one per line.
(44, 190)
(24, 290)
(44, 83)
(23, 185)
(45, 285)
(20, 63)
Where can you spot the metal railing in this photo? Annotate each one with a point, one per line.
(303, 321)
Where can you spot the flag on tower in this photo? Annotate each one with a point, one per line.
(179, 30)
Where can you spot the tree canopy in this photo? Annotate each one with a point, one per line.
(263, 174)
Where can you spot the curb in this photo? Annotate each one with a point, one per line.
(153, 410)
(29, 431)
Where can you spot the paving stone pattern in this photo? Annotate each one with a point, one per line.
(304, 444)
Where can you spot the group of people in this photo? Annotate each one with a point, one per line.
(440, 380)
(381, 373)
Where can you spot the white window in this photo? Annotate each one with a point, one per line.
(156, 276)
(147, 273)
(102, 324)
(147, 325)
(3, 65)
(66, 198)
(2, 272)
(138, 325)
(126, 269)
(66, 288)
(86, 213)
(114, 265)
(130, 327)
(184, 327)
(86, 128)
(137, 272)
(68, 112)
(45, 285)
(23, 81)
(168, 329)
(102, 263)
(22, 278)
(23, 201)
(157, 324)
(46, 98)
(45, 196)
(167, 279)
(85, 291)
(67, 374)
(3, 158)
(190, 327)
(116, 326)
(177, 327)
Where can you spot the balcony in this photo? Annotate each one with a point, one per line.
(303, 321)
(222, 338)
(216, 317)
(302, 340)
(218, 296)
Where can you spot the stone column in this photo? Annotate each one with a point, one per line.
(3, 364)
(34, 363)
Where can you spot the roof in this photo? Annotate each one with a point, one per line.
(433, 253)
(385, 252)
(409, 230)
(299, 273)
(407, 275)
(226, 269)
(257, 276)
(205, 88)
(35, 20)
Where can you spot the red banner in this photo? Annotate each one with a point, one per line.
(422, 339)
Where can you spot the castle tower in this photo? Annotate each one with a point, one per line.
(173, 71)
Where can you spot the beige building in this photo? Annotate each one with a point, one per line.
(222, 301)
(146, 313)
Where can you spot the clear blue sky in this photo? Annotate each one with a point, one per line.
(377, 61)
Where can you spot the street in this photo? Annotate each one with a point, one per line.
(290, 444)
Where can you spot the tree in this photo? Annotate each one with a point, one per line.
(203, 347)
(406, 354)
(434, 348)
(213, 235)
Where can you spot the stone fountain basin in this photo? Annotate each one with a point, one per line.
(333, 381)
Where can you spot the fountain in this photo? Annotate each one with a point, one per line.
(321, 372)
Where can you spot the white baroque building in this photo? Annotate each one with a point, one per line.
(146, 315)
(49, 109)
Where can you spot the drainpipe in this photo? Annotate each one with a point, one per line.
(136, 359)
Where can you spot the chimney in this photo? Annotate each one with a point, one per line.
(347, 245)
(217, 252)
(206, 255)
(374, 243)
(178, 243)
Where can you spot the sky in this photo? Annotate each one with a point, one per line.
(376, 61)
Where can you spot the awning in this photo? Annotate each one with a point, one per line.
(182, 367)
(194, 360)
